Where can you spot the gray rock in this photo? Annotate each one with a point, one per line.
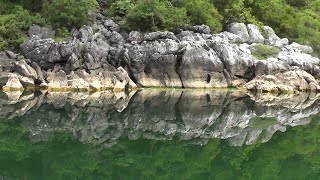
(112, 26)
(11, 55)
(159, 35)
(270, 36)
(289, 81)
(75, 81)
(85, 33)
(45, 52)
(24, 69)
(57, 80)
(240, 29)
(200, 67)
(203, 29)
(40, 74)
(235, 61)
(254, 34)
(299, 48)
(135, 36)
(41, 32)
(13, 84)
(281, 43)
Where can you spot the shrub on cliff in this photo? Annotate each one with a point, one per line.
(13, 24)
(234, 11)
(69, 13)
(261, 51)
(202, 12)
(154, 15)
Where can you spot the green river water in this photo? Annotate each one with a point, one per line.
(154, 134)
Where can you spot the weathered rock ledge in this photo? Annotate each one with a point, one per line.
(104, 57)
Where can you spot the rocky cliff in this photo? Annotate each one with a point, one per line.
(102, 57)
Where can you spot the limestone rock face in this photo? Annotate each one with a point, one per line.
(135, 36)
(240, 29)
(112, 26)
(41, 32)
(159, 35)
(254, 34)
(270, 35)
(13, 84)
(22, 68)
(203, 29)
(57, 80)
(190, 58)
(289, 81)
(45, 52)
(200, 67)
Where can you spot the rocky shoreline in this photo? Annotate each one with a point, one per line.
(104, 57)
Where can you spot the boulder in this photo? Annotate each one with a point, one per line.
(24, 69)
(46, 52)
(289, 81)
(75, 82)
(13, 84)
(270, 36)
(122, 81)
(299, 48)
(203, 29)
(135, 36)
(11, 54)
(240, 29)
(57, 80)
(112, 26)
(254, 34)
(281, 43)
(235, 61)
(85, 34)
(159, 35)
(41, 32)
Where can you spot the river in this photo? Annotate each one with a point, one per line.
(159, 134)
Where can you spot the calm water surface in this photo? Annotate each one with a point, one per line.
(154, 134)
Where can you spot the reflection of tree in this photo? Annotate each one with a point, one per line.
(290, 155)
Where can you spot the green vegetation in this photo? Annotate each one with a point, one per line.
(299, 20)
(293, 154)
(69, 13)
(261, 51)
(16, 16)
(13, 24)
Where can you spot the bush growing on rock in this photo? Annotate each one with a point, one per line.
(15, 21)
(261, 51)
(202, 12)
(69, 13)
(154, 15)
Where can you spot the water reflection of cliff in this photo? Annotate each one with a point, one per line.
(192, 116)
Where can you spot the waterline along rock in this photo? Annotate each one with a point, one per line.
(99, 58)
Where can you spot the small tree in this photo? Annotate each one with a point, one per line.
(155, 15)
(202, 12)
(69, 13)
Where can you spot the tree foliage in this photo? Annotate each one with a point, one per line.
(298, 20)
(155, 15)
(69, 13)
